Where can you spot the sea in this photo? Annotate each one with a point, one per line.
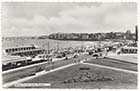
(44, 43)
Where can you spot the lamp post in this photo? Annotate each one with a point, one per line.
(136, 30)
(48, 47)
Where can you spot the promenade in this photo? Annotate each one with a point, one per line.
(133, 58)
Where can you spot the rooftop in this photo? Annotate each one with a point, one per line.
(22, 46)
(8, 59)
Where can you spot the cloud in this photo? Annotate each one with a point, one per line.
(26, 27)
(104, 18)
(99, 18)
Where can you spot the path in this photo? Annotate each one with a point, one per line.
(112, 68)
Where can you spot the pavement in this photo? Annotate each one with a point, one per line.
(20, 68)
(133, 58)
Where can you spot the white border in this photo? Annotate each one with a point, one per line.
(104, 1)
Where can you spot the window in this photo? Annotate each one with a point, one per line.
(13, 50)
(7, 50)
(10, 50)
(16, 49)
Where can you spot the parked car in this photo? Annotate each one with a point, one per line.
(98, 54)
(76, 55)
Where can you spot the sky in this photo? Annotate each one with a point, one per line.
(44, 18)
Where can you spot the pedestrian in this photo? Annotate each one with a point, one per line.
(66, 58)
(74, 61)
(118, 53)
(52, 65)
(85, 59)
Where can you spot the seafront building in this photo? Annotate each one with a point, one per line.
(94, 37)
(18, 56)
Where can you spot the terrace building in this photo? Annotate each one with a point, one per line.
(84, 36)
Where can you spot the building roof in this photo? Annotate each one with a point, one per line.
(22, 46)
(25, 51)
(9, 59)
(129, 47)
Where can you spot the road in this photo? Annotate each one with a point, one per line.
(24, 72)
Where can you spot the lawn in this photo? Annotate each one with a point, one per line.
(114, 63)
(120, 80)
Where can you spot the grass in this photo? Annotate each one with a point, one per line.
(114, 63)
(121, 80)
(19, 74)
